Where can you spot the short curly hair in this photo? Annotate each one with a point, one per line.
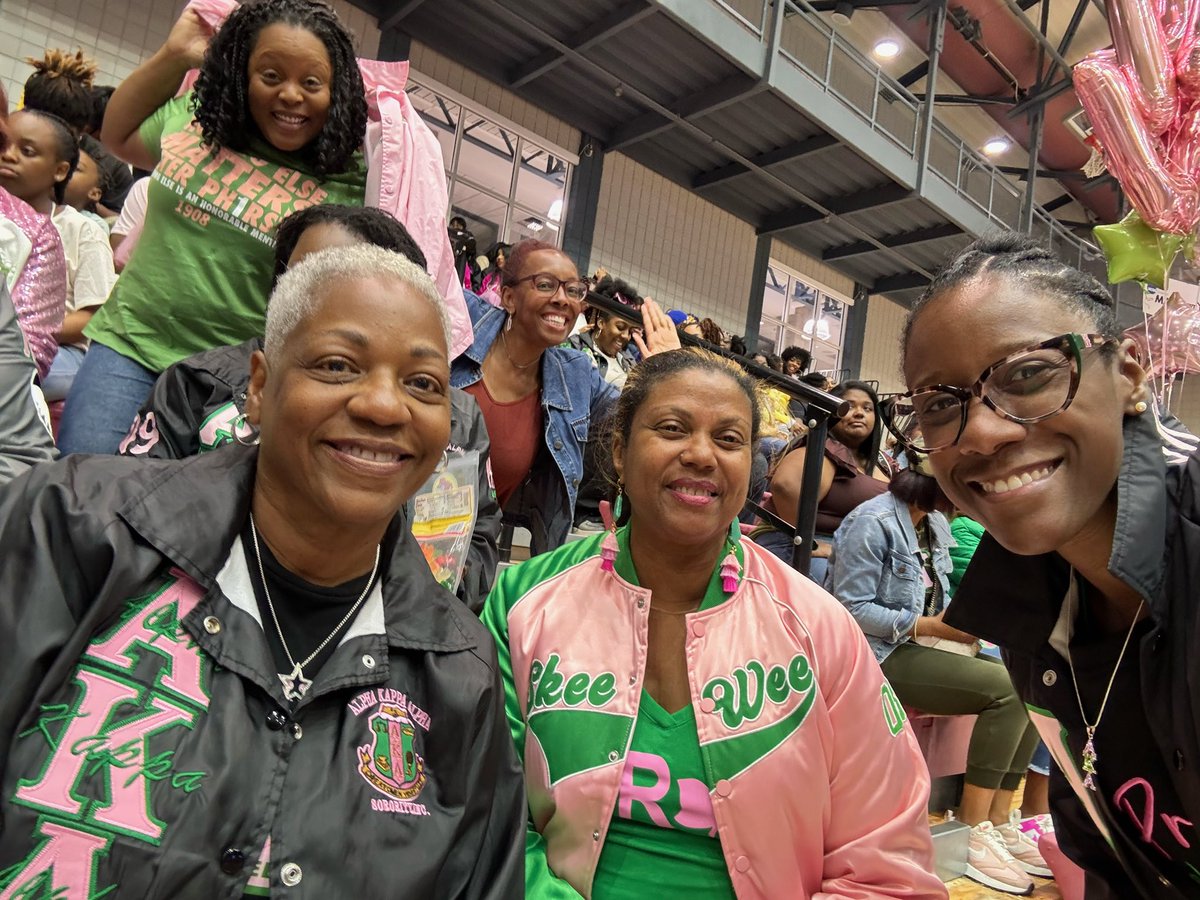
(220, 99)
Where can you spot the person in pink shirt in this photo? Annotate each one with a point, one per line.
(34, 269)
(695, 718)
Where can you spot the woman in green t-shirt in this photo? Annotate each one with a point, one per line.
(274, 124)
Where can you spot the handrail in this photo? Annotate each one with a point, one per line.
(820, 407)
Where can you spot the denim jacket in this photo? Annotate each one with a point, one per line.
(875, 569)
(573, 393)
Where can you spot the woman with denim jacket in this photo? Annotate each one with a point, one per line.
(889, 567)
(539, 399)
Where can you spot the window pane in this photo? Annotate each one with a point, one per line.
(486, 154)
(826, 358)
(441, 116)
(525, 223)
(483, 212)
(774, 295)
(803, 310)
(829, 324)
(542, 183)
(768, 336)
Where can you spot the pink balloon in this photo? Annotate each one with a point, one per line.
(1164, 196)
(1143, 55)
(1182, 143)
(1168, 342)
(1178, 19)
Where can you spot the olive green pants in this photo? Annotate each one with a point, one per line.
(947, 684)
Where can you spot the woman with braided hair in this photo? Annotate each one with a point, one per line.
(274, 123)
(1039, 424)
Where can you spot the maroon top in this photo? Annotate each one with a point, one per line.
(850, 485)
(520, 424)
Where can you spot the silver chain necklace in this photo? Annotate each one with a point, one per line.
(1088, 761)
(295, 685)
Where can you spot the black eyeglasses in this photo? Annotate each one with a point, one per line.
(548, 285)
(1027, 386)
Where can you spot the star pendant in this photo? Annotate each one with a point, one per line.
(295, 685)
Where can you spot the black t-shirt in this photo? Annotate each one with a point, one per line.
(307, 612)
(1131, 775)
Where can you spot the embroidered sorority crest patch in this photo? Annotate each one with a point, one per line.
(390, 762)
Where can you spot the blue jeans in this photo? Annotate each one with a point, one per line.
(103, 402)
(781, 545)
(62, 373)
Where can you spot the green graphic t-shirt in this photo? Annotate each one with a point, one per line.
(662, 840)
(201, 271)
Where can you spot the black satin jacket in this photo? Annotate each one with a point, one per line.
(1015, 601)
(146, 746)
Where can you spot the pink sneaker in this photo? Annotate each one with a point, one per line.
(1035, 826)
(991, 864)
(1022, 843)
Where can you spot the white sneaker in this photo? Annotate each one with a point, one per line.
(990, 863)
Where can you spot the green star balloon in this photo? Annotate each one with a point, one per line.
(1136, 252)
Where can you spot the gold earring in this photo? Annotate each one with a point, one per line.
(1140, 407)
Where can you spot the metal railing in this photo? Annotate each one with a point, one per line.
(837, 68)
(751, 14)
(872, 95)
(820, 407)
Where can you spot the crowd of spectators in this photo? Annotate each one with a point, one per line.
(302, 417)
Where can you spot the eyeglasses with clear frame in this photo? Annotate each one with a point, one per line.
(547, 285)
(1028, 386)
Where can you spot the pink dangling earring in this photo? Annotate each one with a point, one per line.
(608, 548)
(731, 569)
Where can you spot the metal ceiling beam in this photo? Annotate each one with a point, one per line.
(788, 153)
(603, 28)
(706, 100)
(847, 203)
(967, 99)
(830, 5)
(1057, 174)
(907, 239)
(1040, 97)
(531, 25)
(405, 10)
(1058, 202)
(915, 74)
(1072, 27)
(1042, 40)
(905, 281)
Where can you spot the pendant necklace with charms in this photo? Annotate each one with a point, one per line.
(1088, 760)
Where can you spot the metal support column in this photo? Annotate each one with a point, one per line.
(394, 45)
(937, 38)
(758, 283)
(583, 199)
(856, 330)
(1037, 121)
(810, 483)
